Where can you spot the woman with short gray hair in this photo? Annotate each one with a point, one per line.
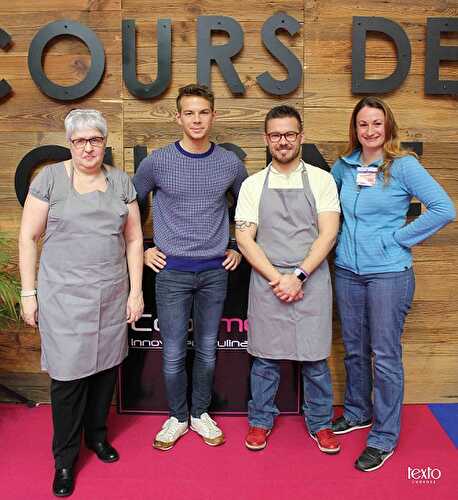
(89, 286)
(79, 119)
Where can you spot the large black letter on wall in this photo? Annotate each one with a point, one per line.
(359, 84)
(220, 54)
(94, 75)
(5, 40)
(164, 60)
(31, 161)
(435, 53)
(282, 53)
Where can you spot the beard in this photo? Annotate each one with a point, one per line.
(292, 150)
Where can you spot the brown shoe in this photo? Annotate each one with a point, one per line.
(326, 441)
(256, 439)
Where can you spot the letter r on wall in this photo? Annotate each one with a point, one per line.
(220, 54)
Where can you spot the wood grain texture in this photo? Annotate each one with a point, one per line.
(24, 27)
(252, 10)
(21, 6)
(29, 119)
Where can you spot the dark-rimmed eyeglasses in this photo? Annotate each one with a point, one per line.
(290, 136)
(80, 143)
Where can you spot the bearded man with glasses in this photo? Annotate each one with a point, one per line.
(287, 219)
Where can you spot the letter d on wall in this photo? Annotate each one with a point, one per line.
(361, 85)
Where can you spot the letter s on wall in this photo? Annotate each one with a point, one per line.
(283, 54)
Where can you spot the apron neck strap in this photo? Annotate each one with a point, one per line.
(106, 174)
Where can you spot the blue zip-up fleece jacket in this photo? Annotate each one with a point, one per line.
(374, 237)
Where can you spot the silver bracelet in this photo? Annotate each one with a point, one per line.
(28, 293)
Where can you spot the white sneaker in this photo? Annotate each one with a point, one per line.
(208, 429)
(171, 431)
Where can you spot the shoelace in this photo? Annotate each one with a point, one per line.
(169, 429)
(373, 452)
(210, 425)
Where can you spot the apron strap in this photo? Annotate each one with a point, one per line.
(106, 173)
(309, 197)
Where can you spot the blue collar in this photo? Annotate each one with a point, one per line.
(354, 159)
(195, 155)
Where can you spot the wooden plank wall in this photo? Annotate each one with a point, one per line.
(28, 119)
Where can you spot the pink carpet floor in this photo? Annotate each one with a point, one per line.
(291, 467)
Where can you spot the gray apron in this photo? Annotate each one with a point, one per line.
(83, 286)
(301, 330)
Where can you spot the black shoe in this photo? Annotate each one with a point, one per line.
(372, 459)
(104, 451)
(341, 426)
(64, 482)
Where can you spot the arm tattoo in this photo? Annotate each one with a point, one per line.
(242, 225)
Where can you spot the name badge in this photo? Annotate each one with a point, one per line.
(366, 176)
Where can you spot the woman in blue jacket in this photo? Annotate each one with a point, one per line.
(374, 279)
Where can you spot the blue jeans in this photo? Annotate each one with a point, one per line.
(265, 379)
(372, 310)
(177, 294)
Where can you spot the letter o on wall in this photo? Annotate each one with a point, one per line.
(87, 36)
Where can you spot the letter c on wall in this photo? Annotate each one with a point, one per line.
(5, 40)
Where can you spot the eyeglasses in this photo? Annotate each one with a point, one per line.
(80, 143)
(289, 136)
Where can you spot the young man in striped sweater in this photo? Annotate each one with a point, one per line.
(191, 256)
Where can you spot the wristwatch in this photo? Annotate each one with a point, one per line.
(301, 274)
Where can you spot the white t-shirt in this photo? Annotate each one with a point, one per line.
(321, 183)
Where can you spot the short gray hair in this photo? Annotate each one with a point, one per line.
(79, 119)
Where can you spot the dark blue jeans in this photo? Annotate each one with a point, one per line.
(177, 294)
(265, 379)
(372, 310)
